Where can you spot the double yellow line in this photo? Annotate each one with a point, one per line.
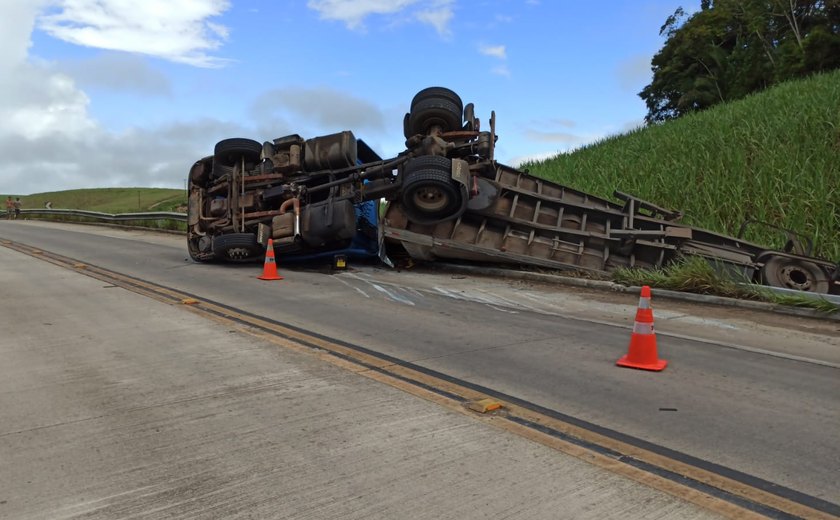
(727, 492)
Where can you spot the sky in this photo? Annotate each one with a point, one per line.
(129, 93)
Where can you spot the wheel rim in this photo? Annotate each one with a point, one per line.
(795, 274)
(239, 253)
(430, 198)
(795, 277)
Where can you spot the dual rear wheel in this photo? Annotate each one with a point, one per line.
(429, 194)
(434, 107)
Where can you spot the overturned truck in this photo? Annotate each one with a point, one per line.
(448, 198)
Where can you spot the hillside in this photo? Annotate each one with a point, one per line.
(773, 157)
(111, 200)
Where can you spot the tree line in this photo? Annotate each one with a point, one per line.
(730, 48)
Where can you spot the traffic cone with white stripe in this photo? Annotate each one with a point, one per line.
(642, 351)
(270, 266)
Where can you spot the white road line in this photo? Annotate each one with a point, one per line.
(392, 296)
(348, 284)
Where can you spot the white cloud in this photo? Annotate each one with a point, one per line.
(15, 27)
(39, 104)
(51, 142)
(437, 13)
(496, 51)
(158, 157)
(45, 126)
(175, 30)
(35, 103)
(354, 12)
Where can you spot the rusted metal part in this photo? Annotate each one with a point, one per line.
(251, 179)
(261, 214)
(459, 134)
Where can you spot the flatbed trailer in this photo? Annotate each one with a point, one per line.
(450, 199)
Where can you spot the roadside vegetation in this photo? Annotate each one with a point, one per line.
(697, 275)
(110, 200)
(772, 157)
(731, 48)
(114, 201)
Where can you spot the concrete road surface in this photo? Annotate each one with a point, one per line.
(752, 391)
(113, 405)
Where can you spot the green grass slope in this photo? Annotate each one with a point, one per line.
(773, 157)
(110, 200)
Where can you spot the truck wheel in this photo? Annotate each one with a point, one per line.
(437, 92)
(429, 194)
(434, 112)
(230, 151)
(237, 247)
(792, 273)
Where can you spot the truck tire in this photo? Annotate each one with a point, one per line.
(431, 112)
(237, 247)
(230, 151)
(792, 273)
(429, 194)
(437, 93)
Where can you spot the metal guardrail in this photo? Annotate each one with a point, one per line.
(109, 217)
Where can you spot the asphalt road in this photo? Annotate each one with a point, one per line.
(732, 396)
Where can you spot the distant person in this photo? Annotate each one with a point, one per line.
(10, 207)
(17, 207)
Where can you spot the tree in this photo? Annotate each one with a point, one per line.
(730, 48)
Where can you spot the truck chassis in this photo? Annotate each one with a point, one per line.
(449, 198)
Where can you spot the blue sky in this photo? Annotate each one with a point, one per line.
(101, 93)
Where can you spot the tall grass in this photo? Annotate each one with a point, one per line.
(698, 275)
(772, 157)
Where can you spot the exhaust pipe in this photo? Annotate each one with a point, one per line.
(295, 202)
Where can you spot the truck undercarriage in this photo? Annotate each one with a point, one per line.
(449, 198)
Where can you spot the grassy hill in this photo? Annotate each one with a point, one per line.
(774, 157)
(111, 200)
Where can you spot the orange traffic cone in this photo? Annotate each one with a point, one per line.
(642, 351)
(270, 266)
